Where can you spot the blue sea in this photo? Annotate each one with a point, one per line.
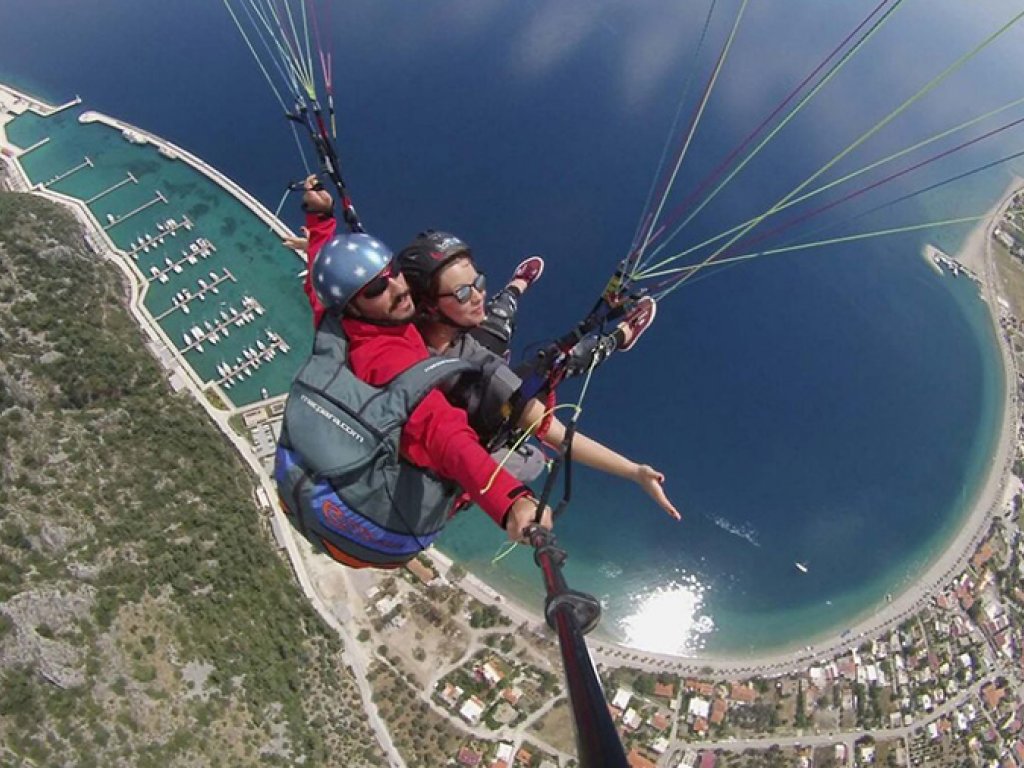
(836, 407)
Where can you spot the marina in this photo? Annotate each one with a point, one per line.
(206, 256)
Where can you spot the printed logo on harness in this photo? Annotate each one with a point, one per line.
(439, 363)
(321, 411)
(341, 519)
(342, 522)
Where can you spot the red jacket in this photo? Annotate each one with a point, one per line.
(437, 435)
(321, 229)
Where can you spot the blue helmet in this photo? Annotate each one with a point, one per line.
(345, 264)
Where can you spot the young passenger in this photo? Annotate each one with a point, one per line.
(450, 296)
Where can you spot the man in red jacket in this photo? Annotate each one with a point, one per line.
(353, 275)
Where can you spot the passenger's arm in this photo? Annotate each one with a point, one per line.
(600, 457)
(437, 434)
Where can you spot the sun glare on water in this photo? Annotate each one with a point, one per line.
(669, 619)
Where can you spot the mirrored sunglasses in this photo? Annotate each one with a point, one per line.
(463, 292)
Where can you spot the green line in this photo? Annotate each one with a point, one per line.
(270, 80)
(308, 73)
(846, 57)
(305, 31)
(275, 57)
(693, 128)
(290, 56)
(931, 85)
(643, 274)
(692, 269)
(294, 77)
(255, 55)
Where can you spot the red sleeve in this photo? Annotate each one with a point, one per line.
(320, 231)
(437, 435)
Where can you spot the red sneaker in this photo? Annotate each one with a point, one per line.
(529, 270)
(639, 319)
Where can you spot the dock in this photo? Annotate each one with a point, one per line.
(937, 259)
(200, 294)
(67, 105)
(113, 221)
(243, 368)
(86, 163)
(130, 180)
(170, 230)
(932, 257)
(41, 143)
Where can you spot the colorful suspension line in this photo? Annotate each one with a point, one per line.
(852, 175)
(928, 87)
(645, 215)
(846, 57)
(691, 131)
(662, 290)
(285, 34)
(747, 242)
(910, 195)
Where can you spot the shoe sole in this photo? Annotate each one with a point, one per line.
(647, 324)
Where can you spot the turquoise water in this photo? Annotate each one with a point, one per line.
(245, 247)
(835, 408)
(731, 587)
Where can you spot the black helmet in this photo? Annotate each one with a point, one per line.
(425, 256)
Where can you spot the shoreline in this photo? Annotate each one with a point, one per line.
(993, 496)
(871, 622)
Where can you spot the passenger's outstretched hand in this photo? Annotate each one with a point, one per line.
(650, 479)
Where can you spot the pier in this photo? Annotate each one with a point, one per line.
(113, 221)
(201, 295)
(19, 102)
(86, 163)
(245, 368)
(130, 180)
(155, 241)
(937, 260)
(68, 105)
(42, 142)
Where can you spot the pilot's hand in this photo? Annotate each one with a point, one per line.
(521, 515)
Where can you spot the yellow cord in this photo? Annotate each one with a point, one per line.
(577, 407)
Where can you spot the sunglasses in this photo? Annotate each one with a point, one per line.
(463, 292)
(379, 284)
